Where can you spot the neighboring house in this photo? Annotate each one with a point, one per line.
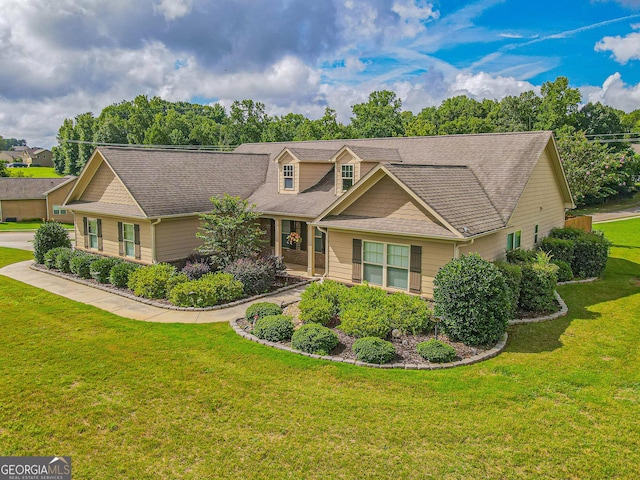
(31, 198)
(388, 211)
(37, 157)
(10, 156)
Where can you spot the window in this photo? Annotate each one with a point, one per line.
(318, 241)
(288, 177)
(59, 211)
(387, 267)
(535, 234)
(92, 227)
(129, 240)
(347, 177)
(513, 240)
(288, 226)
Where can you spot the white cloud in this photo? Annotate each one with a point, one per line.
(484, 85)
(615, 93)
(172, 9)
(412, 16)
(623, 49)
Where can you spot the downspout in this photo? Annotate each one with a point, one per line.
(153, 240)
(326, 250)
(457, 247)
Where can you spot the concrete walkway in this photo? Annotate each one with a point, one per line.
(127, 308)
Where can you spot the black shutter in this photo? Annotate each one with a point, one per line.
(303, 236)
(356, 261)
(85, 231)
(272, 232)
(136, 232)
(415, 269)
(99, 222)
(120, 239)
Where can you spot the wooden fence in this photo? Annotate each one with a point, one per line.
(583, 222)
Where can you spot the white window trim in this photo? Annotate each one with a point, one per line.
(385, 264)
(343, 177)
(91, 234)
(288, 171)
(125, 241)
(513, 240)
(57, 210)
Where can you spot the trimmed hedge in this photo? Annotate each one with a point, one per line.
(80, 264)
(51, 255)
(473, 300)
(151, 281)
(63, 259)
(512, 274)
(101, 269)
(316, 310)
(329, 290)
(314, 338)
(564, 272)
(374, 350)
(436, 351)
(261, 309)
(274, 328)
(211, 289)
(360, 320)
(560, 248)
(520, 256)
(408, 313)
(120, 272)
(538, 286)
(363, 295)
(48, 236)
(590, 251)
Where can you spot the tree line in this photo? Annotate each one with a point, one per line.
(159, 122)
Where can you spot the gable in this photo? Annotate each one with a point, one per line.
(105, 187)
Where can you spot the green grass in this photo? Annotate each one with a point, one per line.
(130, 399)
(25, 226)
(34, 172)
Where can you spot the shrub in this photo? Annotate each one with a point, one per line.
(276, 263)
(374, 350)
(408, 313)
(436, 351)
(316, 310)
(564, 273)
(151, 281)
(590, 254)
(314, 338)
(560, 248)
(520, 256)
(538, 287)
(211, 289)
(261, 309)
(275, 328)
(101, 269)
(512, 278)
(364, 294)
(175, 280)
(567, 233)
(328, 290)
(196, 269)
(48, 236)
(80, 264)
(360, 320)
(256, 275)
(472, 300)
(120, 272)
(50, 256)
(63, 259)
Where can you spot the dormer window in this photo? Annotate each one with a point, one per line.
(287, 171)
(347, 177)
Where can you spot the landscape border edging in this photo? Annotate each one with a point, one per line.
(560, 313)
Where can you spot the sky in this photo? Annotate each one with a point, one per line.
(65, 57)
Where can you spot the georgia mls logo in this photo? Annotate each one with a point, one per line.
(35, 468)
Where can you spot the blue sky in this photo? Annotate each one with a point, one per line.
(59, 59)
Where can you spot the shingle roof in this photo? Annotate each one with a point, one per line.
(27, 188)
(312, 154)
(454, 193)
(9, 155)
(183, 181)
(391, 225)
(376, 154)
(103, 208)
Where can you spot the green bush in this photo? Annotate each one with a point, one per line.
(408, 313)
(50, 256)
(374, 350)
(210, 289)
(316, 310)
(314, 338)
(520, 256)
(560, 248)
(328, 290)
(101, 269)
(364, 294)
(256, 275)
(564, 273)
(151, 281)
(120, 272)
(472, 300)
(512, 274)
(175, 280)
(538, 287)
(63, 259)
(80, 264)
(567, 233)
(360, 320)
(261, 309)
(590, 254)
(436, 351)
(275, 328)
(48, 236)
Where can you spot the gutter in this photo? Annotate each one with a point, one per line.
(326, 253)
(153, 240)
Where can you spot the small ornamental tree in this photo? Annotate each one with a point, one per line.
(230, 231)
(473, 300)
(50, 235)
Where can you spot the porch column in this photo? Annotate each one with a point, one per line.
(277, 246)
(311, 254)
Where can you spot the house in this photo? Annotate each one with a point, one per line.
(389, 211)
(35, 198)
(37, 157)
(10, 156)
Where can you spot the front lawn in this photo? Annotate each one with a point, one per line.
(130, 399)
(34, 172)
(25, 226)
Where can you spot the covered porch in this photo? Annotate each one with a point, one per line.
(302, 270)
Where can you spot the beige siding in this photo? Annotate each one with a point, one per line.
(311, 173)
(57, 197)
(176, 238)
(434, 255)
(541, 204)
(387, 199)
(105, 187)
(23, 209)
(366, 167)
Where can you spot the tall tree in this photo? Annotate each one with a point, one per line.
(67, 154)
(558, 106)
(84, 132)
(247, 120)
(598, 119)
(379, 117)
